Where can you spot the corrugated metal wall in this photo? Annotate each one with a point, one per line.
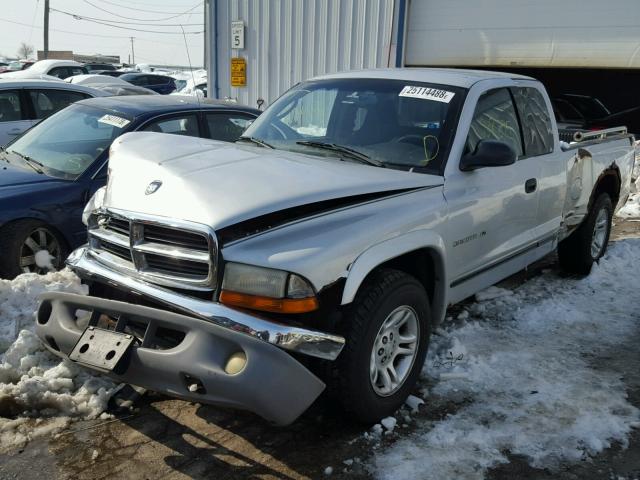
(287, 41)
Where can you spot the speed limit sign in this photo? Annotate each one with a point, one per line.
(237, 35)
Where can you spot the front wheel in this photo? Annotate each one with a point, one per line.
(588, 243)
(387, 334)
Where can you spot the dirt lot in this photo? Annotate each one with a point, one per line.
(165, 438)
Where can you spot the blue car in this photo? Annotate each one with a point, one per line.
(158, 83)
(48, 174)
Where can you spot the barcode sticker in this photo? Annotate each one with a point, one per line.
(114, 120)
(426, 93)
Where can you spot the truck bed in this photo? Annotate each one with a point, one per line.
(587, 162)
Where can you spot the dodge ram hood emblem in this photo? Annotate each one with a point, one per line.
(153, 187)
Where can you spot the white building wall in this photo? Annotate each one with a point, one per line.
(287, 41)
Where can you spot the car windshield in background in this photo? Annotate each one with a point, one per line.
(392, 123)
(67, 143)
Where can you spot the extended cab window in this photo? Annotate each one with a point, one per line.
(495, 119)
(535, 120)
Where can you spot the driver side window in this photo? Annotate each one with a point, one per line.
(310, 115)
(495, 119)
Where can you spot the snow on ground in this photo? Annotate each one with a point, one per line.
(39, 393)
(631, 208)
(523, 372)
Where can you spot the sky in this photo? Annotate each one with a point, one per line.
(22, 21)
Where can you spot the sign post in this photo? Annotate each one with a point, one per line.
(237, 35)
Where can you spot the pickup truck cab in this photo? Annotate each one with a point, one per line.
(321, 249)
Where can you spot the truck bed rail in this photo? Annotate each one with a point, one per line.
(599, 134)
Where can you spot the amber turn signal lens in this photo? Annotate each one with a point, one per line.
(267, 304)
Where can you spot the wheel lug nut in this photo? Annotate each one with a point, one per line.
(381, 351)
(385, 340)
(391, 336)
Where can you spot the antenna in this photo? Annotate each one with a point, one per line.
(193, 78)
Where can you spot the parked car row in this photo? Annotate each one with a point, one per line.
(64, 69)
(15, 65)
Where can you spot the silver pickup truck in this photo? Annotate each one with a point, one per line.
(322, 249)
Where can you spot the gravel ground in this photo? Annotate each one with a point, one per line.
(167, 438)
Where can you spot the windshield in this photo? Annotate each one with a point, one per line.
(67, 143)
(395, 123)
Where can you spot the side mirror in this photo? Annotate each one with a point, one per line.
(488, 153)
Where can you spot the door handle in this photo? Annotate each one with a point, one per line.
(530, 185)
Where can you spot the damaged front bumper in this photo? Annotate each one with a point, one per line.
(270, 382)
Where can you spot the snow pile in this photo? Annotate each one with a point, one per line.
(528, 376)
(34, 383)
(632, 208)
(19, 300)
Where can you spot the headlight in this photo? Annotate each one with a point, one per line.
(266, 289)
(94, 203)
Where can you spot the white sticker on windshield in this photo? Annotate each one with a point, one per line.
(115, 121)
(427, 93)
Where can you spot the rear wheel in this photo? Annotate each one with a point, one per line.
(387, 335)
(588, 243)
(30, 246)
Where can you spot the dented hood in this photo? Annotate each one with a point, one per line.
(221, 184)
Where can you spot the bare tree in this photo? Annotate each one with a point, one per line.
(25, 50)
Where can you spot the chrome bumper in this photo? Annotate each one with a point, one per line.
(294, 339)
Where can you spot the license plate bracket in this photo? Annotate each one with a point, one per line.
(101, 348)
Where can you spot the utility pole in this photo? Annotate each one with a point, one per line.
(46, 29)
(211, 39)
(133, 53)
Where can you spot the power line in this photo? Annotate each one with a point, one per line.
(148, 11)
(33, 20)
(164, 32)
(82, 34)
(83, 17)
(139, 9)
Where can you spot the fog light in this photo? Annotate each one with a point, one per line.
(235, 363)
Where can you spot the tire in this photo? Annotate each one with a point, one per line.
(16, 252)
(575, 253)
(383, 295)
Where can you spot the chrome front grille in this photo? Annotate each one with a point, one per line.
(180, 254)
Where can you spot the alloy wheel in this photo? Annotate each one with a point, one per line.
(394, 351)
